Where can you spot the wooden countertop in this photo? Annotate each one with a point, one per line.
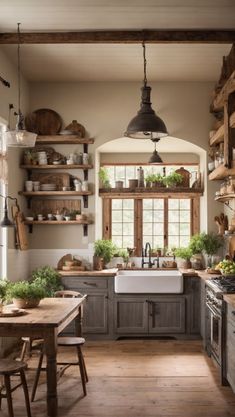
(104, 273)
(229, 298)
(112, 272)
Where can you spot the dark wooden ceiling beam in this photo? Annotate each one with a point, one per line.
(122, 36)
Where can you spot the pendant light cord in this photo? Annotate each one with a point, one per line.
(18, 68)
(145, 64)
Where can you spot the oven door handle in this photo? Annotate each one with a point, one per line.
(214, 312)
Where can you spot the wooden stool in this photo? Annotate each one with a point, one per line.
(9, 368)
(72, 341)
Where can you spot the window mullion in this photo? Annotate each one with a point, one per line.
(138, 226)
(166, 222)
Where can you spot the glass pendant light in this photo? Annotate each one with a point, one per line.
(19, 137)
(146, 125)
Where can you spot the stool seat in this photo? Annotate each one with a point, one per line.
(10, 366)
(70, 341)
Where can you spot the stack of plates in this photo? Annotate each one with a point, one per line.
(48, 187)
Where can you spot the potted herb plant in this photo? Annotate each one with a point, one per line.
(185, 254)
(104, 177)
(149, 179)
(157, 181)
(48, 279)
(3, 290)
(104, 251)
(173, 180)
(25, 294)
(212, 243)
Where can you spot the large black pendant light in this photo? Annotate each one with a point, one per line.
(146, 125)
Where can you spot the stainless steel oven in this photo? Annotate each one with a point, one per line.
(214, 306)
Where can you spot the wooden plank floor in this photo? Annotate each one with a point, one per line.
(137, 378)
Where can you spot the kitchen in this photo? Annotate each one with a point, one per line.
(73, 92)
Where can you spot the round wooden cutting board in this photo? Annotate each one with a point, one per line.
(43, 122)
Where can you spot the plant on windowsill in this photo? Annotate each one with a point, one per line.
(25, 294)
(173, 180)
(104, 178)
(212, 243)
(185, 255)
(122, 253)
(104, 251)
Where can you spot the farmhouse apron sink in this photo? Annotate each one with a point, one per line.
(154, 281)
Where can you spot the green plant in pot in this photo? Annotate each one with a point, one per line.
(158, 181)
(212, 243)
(48, 279)
(185, 254)
(25, 294)
(104, 177)
(3, 291)
(122, 253)
(173, 180)
(149, 179)
(104, 251)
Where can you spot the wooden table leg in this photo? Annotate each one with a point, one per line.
(78, 322)
(50, 343)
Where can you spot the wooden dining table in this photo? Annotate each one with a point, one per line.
(46, 321)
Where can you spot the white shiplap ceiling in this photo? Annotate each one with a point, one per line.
(72, 63)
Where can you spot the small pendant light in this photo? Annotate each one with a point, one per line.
(155, 157)
(146, 125)
(19, 137)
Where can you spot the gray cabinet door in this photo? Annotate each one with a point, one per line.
(167, 314)
(192, 291)
(95, 310)
(131, 315)
(95, 313)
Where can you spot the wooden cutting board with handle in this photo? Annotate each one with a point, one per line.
(21, 233)
(43, 122)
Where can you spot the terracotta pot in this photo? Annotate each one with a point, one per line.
(26, 303)
(98, 263)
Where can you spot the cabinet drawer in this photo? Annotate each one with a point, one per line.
(85, 283)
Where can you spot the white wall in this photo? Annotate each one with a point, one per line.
(10, 96)
(105, 110)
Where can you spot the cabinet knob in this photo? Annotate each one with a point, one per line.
(233, 312)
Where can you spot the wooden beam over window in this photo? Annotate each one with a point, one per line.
(122, 36)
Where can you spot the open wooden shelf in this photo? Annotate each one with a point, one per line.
(83, 223)
(222, 172)
(177, 192)
(56, 222)
(218, 136)
(54, 193)
(62, 166)
(227, 89)
(63, 139)
(225, 197)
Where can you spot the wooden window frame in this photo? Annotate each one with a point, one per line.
(138, 219)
